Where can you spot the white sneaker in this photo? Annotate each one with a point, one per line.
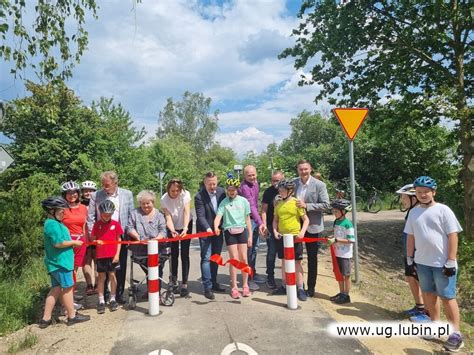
(253, 286)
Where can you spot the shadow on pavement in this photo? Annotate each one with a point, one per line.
(271, 303)
(367, 311)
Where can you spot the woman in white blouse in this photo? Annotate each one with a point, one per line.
(176, 206)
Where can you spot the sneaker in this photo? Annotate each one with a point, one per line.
(310, 293)
(342, 299)
(260, 279)
(253, 286)
(78, 318)
(101, 308)
(454, 342)
(302, 296)
(271, 283)
(184, 292)
(44, 323)
(78, 297)
(421, 318)
(78, 306)
(413, 311)
(333, 298)
(246, 292)
(280, 291)
(174, 287)
(89, 290)
(235, 294)
(113, 306)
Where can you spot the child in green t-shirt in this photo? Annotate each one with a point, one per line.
(59, 261)
(344, 238)
(287, 220)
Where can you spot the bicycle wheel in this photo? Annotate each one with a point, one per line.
(402, 207)
(374, 205)
(360, 205)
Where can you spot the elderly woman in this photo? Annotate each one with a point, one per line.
(176, 205)
(145, 222)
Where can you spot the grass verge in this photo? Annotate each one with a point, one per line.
(27, 342)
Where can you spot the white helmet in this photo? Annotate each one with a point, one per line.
(89, 185)
(70, 186)
(408, 189)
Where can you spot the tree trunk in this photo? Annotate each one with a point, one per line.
(467, 149)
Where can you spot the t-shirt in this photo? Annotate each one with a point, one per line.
(343, 229)
(75, 219)
(106, 231)
(57, 258)
(233, 212)
(430, 226)
(175, 206)
(289, 216)
(269, 198)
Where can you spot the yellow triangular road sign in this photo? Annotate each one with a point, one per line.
(351, 119)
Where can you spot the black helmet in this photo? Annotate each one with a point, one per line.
(54, 202)
(287, 185)
(341, 204)
(106, 206)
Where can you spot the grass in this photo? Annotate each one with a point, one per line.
(27, 342)
(22, 297)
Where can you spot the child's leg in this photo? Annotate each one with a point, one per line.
(347, 284)
(100, 286)
(341, 286)
(299, 274)
(87, 269)
(50, 302)
(452, 312)
(242, 250)
(432, 305)
(233, 254)
(67, 299)
(113, 285)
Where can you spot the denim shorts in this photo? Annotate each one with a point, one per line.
(61, 278)
(433, 280)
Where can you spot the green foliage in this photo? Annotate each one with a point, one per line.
(21, 296)
(21, 225)
(45, 35)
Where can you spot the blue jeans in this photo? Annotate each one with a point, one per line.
(209, 246)
(433, 280)
(252, 252)
(271, 255)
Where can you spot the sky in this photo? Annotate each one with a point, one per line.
(141, 55)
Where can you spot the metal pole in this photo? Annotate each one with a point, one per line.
(354, 210)
(161, 186)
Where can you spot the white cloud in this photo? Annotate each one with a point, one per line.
(249, 139)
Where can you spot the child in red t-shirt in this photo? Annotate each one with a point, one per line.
(107, 255)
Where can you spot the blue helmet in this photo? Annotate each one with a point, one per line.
(425, 181)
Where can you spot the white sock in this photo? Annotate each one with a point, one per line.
(101, 299)
(112, 297)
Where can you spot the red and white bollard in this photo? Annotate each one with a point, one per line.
(290, 271)
(153, 281)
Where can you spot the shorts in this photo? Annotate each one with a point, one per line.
(281, 249)
(344, 265)
(407, 270)
(106, 265)
(232, 239)
(79, 253)
(61, 278)
(433, 280)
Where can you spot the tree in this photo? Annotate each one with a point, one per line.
(417, 52)
(189, 120)
(47, 35)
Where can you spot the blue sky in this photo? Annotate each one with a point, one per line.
(224, 49)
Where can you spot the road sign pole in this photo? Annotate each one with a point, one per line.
(354, 210)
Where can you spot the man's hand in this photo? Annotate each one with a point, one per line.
(262, 229)
(300, 203)
(449, 268)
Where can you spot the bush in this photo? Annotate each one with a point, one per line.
(21, 225)
(21, 297)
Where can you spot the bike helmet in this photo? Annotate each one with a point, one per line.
(53, 203)
(106, 206)
(408, 189)
(89, 185)
(70, 186)
(425, 181)
(287, 185)
(342, 204)
(231, 181)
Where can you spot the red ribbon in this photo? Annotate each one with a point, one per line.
(234, 262)
(164, 240)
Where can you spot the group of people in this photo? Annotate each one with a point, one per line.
(233, 215)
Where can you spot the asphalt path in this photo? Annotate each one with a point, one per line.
(259, 324)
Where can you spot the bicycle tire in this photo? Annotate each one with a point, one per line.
(402, 207)
(360, 204)
(374, 205)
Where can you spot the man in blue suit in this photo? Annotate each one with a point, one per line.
(206, 202)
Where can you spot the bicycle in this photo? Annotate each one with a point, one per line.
(341, 194)
(374, 203)
(397, 203)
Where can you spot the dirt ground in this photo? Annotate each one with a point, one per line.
(381, 295)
